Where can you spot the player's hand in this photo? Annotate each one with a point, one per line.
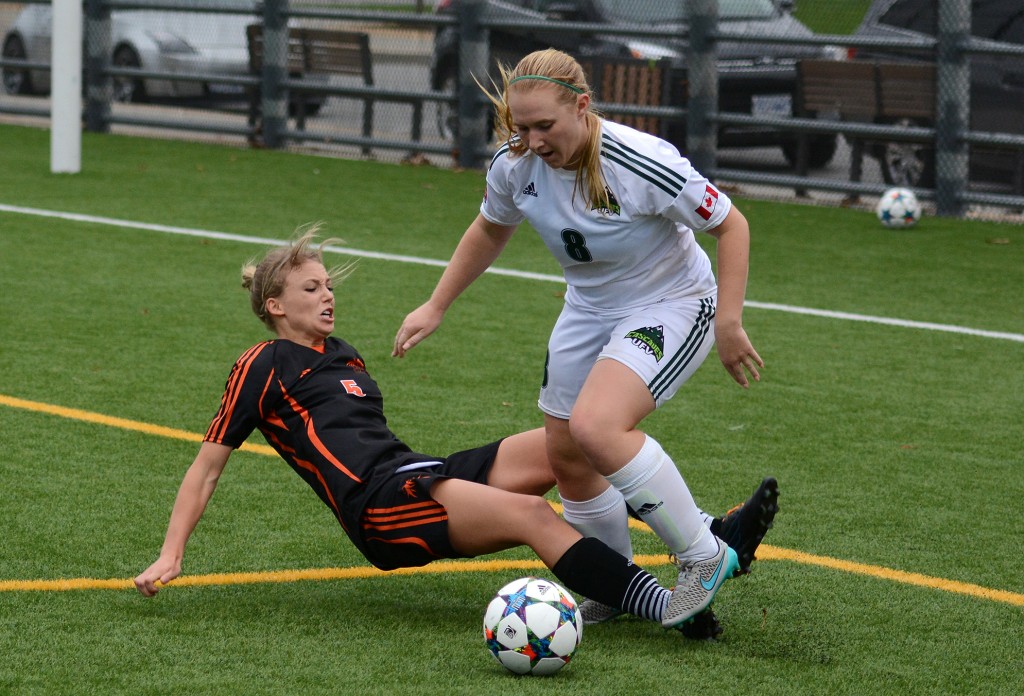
(163, 571)
(418, 324)
(737, 354)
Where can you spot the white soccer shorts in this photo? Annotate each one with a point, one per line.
(663, 343)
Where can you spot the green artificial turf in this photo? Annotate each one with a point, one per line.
(896, 447)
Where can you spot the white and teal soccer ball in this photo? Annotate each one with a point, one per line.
(898, 208)
(533, 626)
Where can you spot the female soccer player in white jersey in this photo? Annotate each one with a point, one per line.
(618, 208)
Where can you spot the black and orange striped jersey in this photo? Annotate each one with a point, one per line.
(323, 413)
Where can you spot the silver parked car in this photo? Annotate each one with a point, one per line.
(186, 42)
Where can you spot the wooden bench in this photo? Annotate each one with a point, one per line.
(316, 52)
(906, 90)
(862, 91)
(633, 82)
(846, 90)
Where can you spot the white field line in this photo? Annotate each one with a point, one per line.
(265, 241)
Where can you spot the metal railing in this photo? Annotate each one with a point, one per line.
(950, 135)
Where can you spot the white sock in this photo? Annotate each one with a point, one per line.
(654, 488)
(604, 517)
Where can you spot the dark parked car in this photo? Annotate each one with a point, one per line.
(754, 78)
(996, 86)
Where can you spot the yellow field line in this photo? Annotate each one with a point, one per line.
(269, 576)
(765, 551)
(123, 423)
(775, 553)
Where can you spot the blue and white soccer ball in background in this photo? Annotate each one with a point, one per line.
(898, 208)
(533, 626)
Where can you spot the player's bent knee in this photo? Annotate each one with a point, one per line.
(591, 433)
(537, 510)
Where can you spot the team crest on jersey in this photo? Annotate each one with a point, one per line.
(530, 190)
(613, 205)
(357, 365)
(649, 339)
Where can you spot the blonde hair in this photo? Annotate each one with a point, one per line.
(561, 72)
(265, 279)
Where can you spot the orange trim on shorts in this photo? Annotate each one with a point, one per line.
(401, 508)
(441, 517)
(412, 515)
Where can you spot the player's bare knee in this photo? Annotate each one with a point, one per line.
(590, 433)
(537, 510)
(569, 466)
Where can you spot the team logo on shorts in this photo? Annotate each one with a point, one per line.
(650, 339)
(410, 488)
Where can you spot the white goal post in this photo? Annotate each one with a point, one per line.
(66, 88)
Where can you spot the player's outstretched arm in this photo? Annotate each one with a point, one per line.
(733, 251)
(194, 493)
(481, 244)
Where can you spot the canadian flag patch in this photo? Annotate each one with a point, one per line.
(708, 202)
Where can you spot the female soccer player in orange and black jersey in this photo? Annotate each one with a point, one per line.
(324, 414)
(313, 400)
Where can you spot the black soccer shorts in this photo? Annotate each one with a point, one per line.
(402, 526)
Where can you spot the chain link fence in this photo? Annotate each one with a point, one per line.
(830, 100)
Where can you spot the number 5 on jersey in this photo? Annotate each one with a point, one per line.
(352, 387)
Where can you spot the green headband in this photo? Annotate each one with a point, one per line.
(574, 88)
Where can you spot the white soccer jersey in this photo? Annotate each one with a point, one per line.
(639, 252)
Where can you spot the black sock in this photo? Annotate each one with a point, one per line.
(593, 570)
(716, 527)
